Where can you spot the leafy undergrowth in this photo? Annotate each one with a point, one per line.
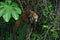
(45, 29)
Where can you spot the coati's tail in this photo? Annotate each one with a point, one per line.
(15, 28)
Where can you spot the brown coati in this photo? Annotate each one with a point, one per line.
(28, 17)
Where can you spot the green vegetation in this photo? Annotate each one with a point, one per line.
(9, 8)
(45, 29)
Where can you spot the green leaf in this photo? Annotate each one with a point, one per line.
(34, 38)
(1, 7)
(50, 6)
(45, 13)
(1, 3)
(10, 9)
(14, 4)
(9, 2)
(18, 10)
(53, 30)
(2, 11)
(45, 26)
(15, 15)
(41, 4)
(7, 15)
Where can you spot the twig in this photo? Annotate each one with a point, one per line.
(20, 4)
(29, 32)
